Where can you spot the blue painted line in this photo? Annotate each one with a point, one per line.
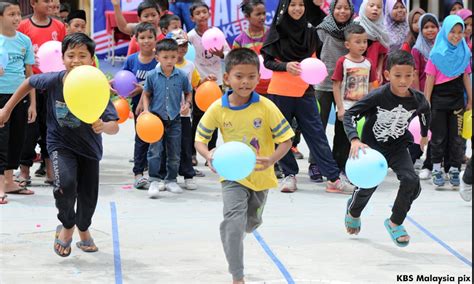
(115, 237)
(273, 257)
(439, 241)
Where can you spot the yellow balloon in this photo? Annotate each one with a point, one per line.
(86, 93)
(467, 125)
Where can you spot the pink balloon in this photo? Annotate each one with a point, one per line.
(313, 71)
(50, 57)
(213, 38)
(415, 129)
(264, 72)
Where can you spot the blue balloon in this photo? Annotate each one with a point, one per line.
(3, 57)
(332, 116)
(191, 54)
(234, 161)
(369, 170)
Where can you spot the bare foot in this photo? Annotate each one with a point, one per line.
(402, 239)
(65, 236)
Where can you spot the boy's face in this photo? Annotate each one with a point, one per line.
(146, 41)
(200, 16)
(174, 25)
(64, 15)
(11, 17)
(243, 79)
(55, 8)
(182, 50)
(357, 43)
(401, 77)
(151, 16)
(76, 26)
(167, 59)
(77, 56)
(42, 7)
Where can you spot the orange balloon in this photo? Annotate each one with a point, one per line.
(123, 109)
(149, 127)
(206, 94)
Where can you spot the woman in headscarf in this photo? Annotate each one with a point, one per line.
(413, 19)
(452, 7)
(466, 15)
(396, 22)
(291, 40)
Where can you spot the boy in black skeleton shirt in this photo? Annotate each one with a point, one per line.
(388, 111)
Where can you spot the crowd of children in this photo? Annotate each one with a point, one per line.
(424, 62)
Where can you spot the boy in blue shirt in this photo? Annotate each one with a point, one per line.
(162, 95)
(139, 64)
(19, 50)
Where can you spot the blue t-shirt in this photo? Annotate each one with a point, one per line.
(20, 52)
(166, 92)
(140, 70)
(64, 130)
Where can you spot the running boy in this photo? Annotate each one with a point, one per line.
(388, 111)
(75, 147)
(242, 115)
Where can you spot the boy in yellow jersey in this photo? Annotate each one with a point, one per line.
(242, 115)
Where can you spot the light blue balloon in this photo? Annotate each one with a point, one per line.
(369, 170)
(191, 54)
(234, 161)
(332, 116)
(3, 58)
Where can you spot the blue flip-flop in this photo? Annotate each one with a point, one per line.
(351, 222)
(64, 245)
(83, 245)
(396, 232)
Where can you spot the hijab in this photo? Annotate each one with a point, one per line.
(412, 35)
(422, 44)
(376, 31)
(314, 14)
(330, 25)
(450, 60)
(449, 5)
(289, 39)
(397, 30)
(464, 14)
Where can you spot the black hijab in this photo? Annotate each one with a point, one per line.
(289, 39)
(314, 14)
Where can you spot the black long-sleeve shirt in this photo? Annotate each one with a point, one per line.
(387, 118)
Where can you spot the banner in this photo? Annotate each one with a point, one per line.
(128, 5)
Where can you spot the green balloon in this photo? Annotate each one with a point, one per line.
(319, 106)
(360, 126)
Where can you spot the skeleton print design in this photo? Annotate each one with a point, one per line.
(391, 123)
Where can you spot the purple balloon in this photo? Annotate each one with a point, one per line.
(124, 83)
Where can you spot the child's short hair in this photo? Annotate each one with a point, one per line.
(241, 56)
(163, 4)
(143, 27)
(78, 39)
(166, 44)
(248, 5)
(4, 4)
(399, 57)
(166, 20)
(196, 5)
(147, 4)
(64, 7)
(354, 29)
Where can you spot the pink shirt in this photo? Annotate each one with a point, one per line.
(440, 78)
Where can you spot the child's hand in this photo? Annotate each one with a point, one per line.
(4, 116)
(1, 71)
(209, 161)
(263, 163)
(98, 126)
(32, 113)
(184, 108)
(111, 82)
(217, 52)
(293, 68)
(138, 90)
(469, 105)
(340, 113)
(211, 77)
(356, 145)
(423, 143)
(115, 2)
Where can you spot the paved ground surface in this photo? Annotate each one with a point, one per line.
(175, 239)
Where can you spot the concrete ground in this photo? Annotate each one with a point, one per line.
(175, 238)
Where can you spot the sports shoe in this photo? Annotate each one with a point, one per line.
(315, 174)
(454, 177)
(199, 173)
(425, 174)
(339, 186)
(437, 177)
(465, 190)
(418, 164)
(173, 187)
(297, 153)
(189, 184)
(278, 172)
(155, 188)
(288, 185)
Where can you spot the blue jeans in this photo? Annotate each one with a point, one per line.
(172, 138)
(181, 9)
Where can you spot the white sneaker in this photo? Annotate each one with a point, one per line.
(288, 185)
(190, 184)
(155, 188)
(425, 174)
(465, 190)
(418, 164)
(173, 187)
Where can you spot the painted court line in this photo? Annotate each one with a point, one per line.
(439, 241)
(115, 237)
(273, 257)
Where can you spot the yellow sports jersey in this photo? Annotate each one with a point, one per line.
(259, 124)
